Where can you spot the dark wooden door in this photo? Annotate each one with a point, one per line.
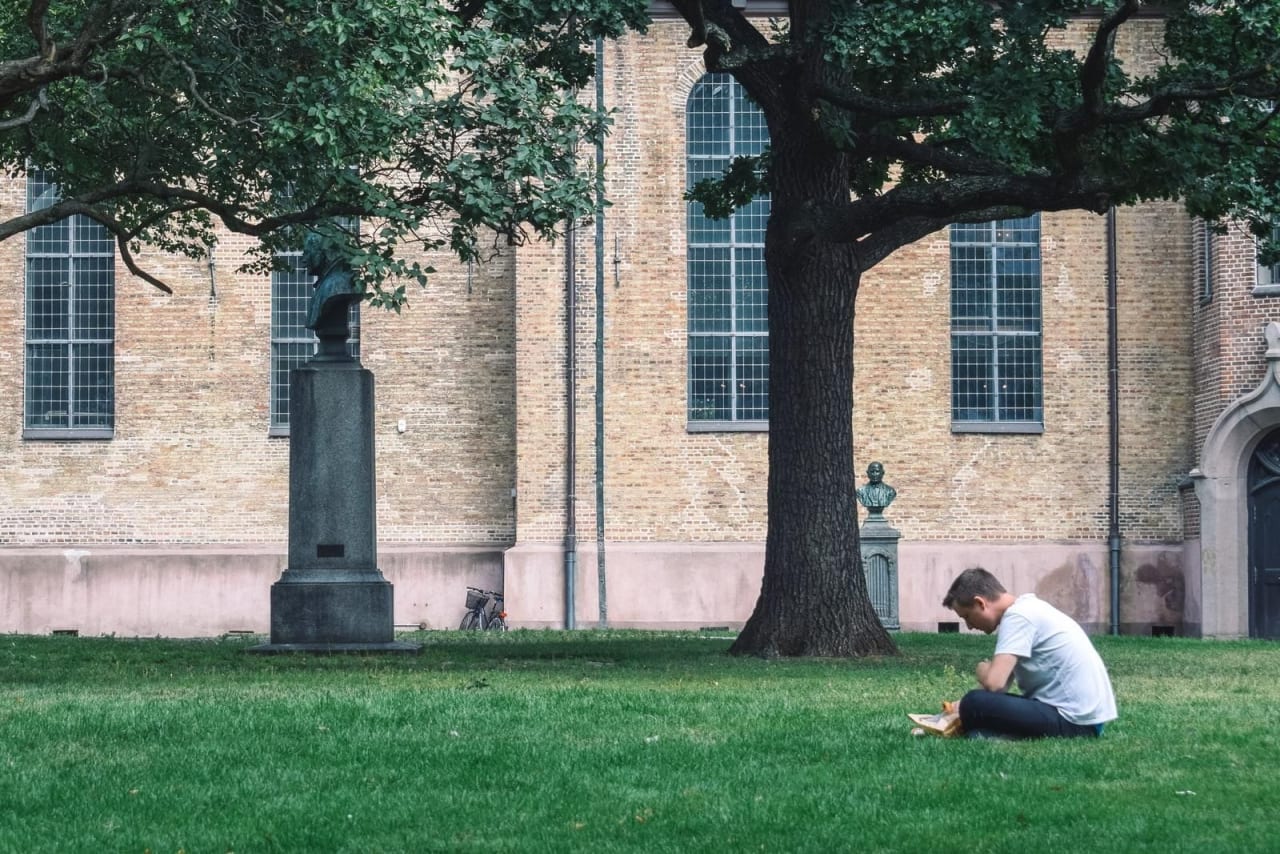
(1264, 538)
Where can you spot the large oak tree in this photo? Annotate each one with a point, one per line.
(892, 119)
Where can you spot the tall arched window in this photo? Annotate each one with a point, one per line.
(728, 385)
(997, 372)
(70, 382)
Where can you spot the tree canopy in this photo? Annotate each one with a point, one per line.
(973, 110)
(439, 121)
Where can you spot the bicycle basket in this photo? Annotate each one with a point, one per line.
(475, 599)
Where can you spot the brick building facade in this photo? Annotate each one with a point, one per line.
(176, 523)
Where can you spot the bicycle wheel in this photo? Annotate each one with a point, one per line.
(497, 624)
(471, 621)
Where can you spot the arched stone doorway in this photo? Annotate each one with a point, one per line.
(1222, 485)
(1264, 539)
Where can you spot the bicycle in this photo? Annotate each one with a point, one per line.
(484, 610)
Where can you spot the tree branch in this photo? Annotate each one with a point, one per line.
(874, 248)
(732, 43)
(36, 13)
(1257, 81)
(51, 63)
(122, 244)
(65, 208)
(1093, 72)
(908, 212)
(926, 154)
(880, 108)
(1072, 126)
(58, 210)
(194, 91)
(722, 29)
(40, 100)
(1250, 83)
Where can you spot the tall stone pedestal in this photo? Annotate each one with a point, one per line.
(332, 597)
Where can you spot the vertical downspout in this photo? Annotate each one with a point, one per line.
(571, 430)
(600, 574)
(1113, 422)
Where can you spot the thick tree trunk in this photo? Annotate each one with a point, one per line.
(813, 600)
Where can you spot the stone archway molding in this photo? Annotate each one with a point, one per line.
(1220, 483)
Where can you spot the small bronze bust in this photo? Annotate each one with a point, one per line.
(876, 495)
(335, 291)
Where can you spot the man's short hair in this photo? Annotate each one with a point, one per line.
(973, 582)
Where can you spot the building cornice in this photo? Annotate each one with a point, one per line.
(663, 10)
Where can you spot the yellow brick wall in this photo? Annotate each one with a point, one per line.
(664, 483)
(1228, 330)
(475, 367)
(191, 461)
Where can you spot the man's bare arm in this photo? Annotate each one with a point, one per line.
(996, 674)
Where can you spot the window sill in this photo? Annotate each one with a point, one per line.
(1018, 427)
(1266, 291)
(278, 430)
(727, 427)
(45, 434)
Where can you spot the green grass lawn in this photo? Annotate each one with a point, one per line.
(604, 741)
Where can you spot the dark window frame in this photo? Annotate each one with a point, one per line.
(997, 330)
(69, 335)
(727, 335)
(1267, 281)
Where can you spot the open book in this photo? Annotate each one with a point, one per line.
(945, 723)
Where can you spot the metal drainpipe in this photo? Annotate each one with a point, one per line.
(1113, 422)
(571, 434)
(600, 569)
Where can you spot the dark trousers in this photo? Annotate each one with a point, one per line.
(993, 714)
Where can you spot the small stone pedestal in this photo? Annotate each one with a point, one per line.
(880, 564)
(332, 597)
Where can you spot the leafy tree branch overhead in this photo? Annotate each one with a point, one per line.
(945, 115)
(437, 121)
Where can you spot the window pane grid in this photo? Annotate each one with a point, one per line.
(70, 319)
(751, 288)
(1018, 378)
(751, 361)
(94, 379)
(996, 353)
(292, 343)
(710, 378)
(727, 285)
(710, 272)
(48, 387)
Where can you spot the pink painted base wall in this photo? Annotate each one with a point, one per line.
(206, 592)
(682, 586)
(647, 585)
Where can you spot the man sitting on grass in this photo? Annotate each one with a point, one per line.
(1065, 688)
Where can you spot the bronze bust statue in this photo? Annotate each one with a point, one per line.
(876, 495)
(335, 291)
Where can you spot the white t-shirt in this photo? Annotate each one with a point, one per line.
(1057, 663)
